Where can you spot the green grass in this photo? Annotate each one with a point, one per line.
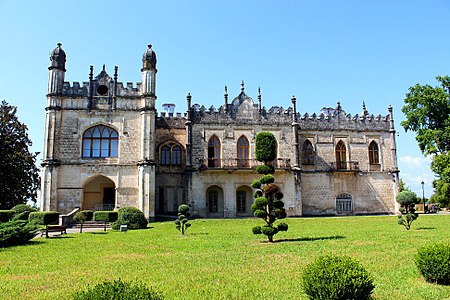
(222, 259)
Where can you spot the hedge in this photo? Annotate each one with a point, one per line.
(106, 216)
(44, 217)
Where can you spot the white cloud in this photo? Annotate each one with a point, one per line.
(414, 170)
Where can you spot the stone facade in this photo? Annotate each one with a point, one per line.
(106, 148)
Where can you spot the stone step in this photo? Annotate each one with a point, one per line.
(91, 224)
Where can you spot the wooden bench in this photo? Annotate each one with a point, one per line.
(53, 228)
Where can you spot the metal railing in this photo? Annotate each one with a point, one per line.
(344, 166)
(214, 163)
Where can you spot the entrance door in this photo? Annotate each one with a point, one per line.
(109, 198)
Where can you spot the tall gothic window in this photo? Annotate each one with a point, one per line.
(214, 152)
(243, 152)
(374, 157)
(344, 203)
(170, 154)
(308, 153)
(341, 156)
(241, 201)
(100, 141)
(213, 201)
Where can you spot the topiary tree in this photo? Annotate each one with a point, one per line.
(83, 216)
(267, 205)
(408, 214)
(334, 277)
(182, 221)
(118, 289)
(105, 216)
(433, 262)
(130, 216)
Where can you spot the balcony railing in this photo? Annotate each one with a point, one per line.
(213, 163)
(345, 166)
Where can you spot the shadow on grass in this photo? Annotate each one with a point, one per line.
(98, 232)
(311, 239)
(426, 228)
(60, 236)
(198, 233)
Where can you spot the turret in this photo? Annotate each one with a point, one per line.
(57, 71)
(149, 72)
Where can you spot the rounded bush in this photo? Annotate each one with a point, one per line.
(281, 213)
(183, 209)
(83, 216)
(259, 213)
(105, 216)
(256, 230)
(282, 227)
(269, 231)
(278, 204)
(433, 262)
(118, 289)
(333, 277)
(260, 202)
(130, 216)
(20, 208)
(267, 179)
(271, 189)
(257, 194)
(279, 196)
(265, 169)
(256, 184)
(16, 232)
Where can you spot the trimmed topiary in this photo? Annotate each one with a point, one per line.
(433, 262)
(44, 217)
(130, 216)
(83, 216)
(182, 223)
(265, 147)
(266, 179)
(6, 215)
(105, 216)
(256, 184)
(118, 290)
(16, 233)
(265, 169)
(334, 277)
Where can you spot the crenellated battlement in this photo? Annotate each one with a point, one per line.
(129, 89)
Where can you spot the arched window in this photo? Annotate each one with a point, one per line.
(308, 153)
(241, 201)
(243, 152)
(374, 157)
(214, 152)
(170, 154)
(344, 203)
(100, 141)
(176, 155)
(341, 156)
(213, 201)
(165, 155)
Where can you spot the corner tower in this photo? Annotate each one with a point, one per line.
(148, 119)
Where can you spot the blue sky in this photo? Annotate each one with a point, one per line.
(320, 51)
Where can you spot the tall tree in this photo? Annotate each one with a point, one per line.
(19, 175)
(427, 111)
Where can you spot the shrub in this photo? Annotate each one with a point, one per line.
(267, 179)
(332, 277)
(20, 208)
(44, 217)
(265, 169)
(130, 216)
(433, 262)
(118, 290)
(16, 233)
(407, 221)
(83, 216)
(256, 184)
(265, 147)
(106, 216)
(407, 200)
(182, 222)
(6, 215)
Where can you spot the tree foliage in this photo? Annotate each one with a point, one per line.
(18, 172)
(267, 205)
(182, 223)
(427, 111)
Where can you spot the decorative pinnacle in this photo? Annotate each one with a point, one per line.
(259, 92)
(103, 67)
(226, 90)
(150, 46)
(242, 86)
(293, 99)
(59, 44)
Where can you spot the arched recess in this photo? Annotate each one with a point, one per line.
(341, 156)
(214, 202)
(243, 152)
(307, 153)
(214, 152)
(100, 141)
(99, 193)
(244, 200)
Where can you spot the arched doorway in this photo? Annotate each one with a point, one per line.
(214, 202)
(99, 193)
(244, 200)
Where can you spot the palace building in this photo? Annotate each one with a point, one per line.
(106, 147)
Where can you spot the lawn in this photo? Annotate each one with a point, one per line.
(222, 259)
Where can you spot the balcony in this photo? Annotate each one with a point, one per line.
(345, 166)
(242, 164)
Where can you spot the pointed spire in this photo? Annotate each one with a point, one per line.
(91, 72)
(226, 98)
(242, 86)
(259, 99)
(103, 68)
(364, 111)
